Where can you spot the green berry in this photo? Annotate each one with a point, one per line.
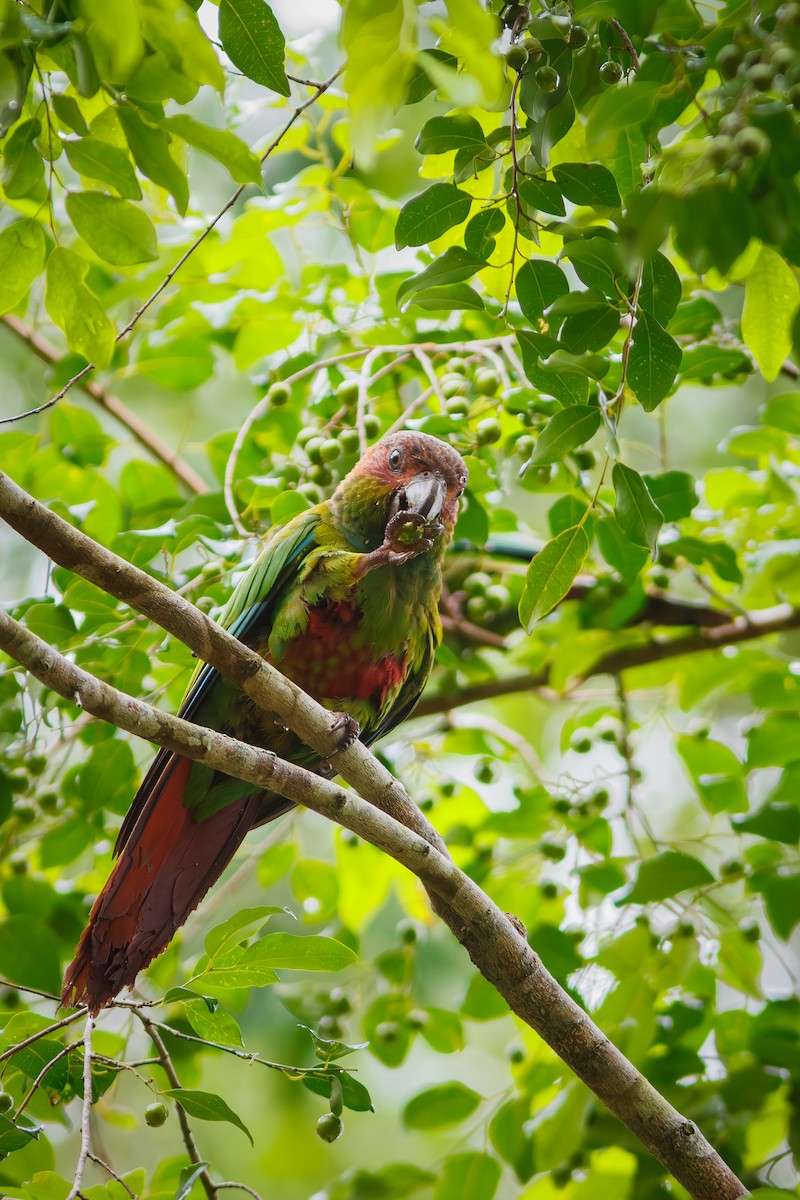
(761, 76)
(729, 60)
(488, 431)
(477, 583)
(372, 425)
(278, 395)
(610, 72)
(750, 931)
(548, 890)
(487, 383)
(6, 1102)
(516, 57)
(516, 1053)
(330, 450)
(578, 37)
(600, 799)
(684, 929)
(348, 440)
(535, 52)
(456, 406)
(783, 59)
(26, 814)
(311, 492)
(417, 1019)
(552, 851)
(484, 771)
(722, 149)
(329, 1127)
(48, 802)
(476, 608)
(497, 597)
(320, 474)
(732, 866)
(329, 1027)
(523, 446)
(562, 805)
(347, 392)
(581, 744)
(752, 142)
(37, 764)
(547, 78)
(515, 14)
(313, 449)
(18, 864)
(17, 781)
(789, 14)
(453, 385)
(156, 1114)
(339, 1001)
(730, 124)
(306, 434)
(407, 931)
(457, 366)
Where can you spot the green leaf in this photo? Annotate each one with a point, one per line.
(419, 83)
(542, 195)
(512, 1141)
(457, 132)
(213, 1026)
(455, 265)
(660, 292)
(472, 1176)
(654, 361)
(22, 173)
(565, 431)
(149, 145)
(591, 329)
(448, 299)
(675, 493)
(15, 1137)
(771, 299)
(76, 309)
(29, 953)
(720, 556)
(68, 112)
(587, 183)
(188, 1178)
(78, 435)
(666, 875)
(207, 1106)
(242, 164)
(596, 261)
(252, 39)
(637, 515)
(539, 283)
(95, 159)
(782, 899)
(479, 234)
(781, 412)
(430, 214)
(298, 953)
(22, 249)
(551, 574)
(773, 743)
(778, 822)
(444, 1104)
(119, 232)
(237, 928)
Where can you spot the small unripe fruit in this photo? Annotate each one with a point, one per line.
(516, 1054)
(487, 383)
(456, 406)
(488, 431)
(339, 1001)
(372, 425)
(156, 1114)
(329, 1027)
(547, 78)
(578, 37)
(722, 149)
(407, 931)
(18, 864)
(48, 802)
(306, 434)
(750, 931)
(515, 14)
(751, 142)
(732, 866)
(477, 608)
(729, 60)
(581, 745)
(37, 764)
(484, 771)
(562, 805)
(457, 366)
(548, 890)
(477, 583)
(329, 1127)
(453, 385)
(313, 449)
(25, 813)
(347, 391)
(319, 473)
(311, 492)
(497, 597)
(516, 57)
(330, 450)
(730, 124)
(534, 48)
(610, 72)
(278, 395)
(761, 76)
(523, 446)
(348, 440)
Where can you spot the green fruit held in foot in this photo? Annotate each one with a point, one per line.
(329, 1127)
(156, 1114)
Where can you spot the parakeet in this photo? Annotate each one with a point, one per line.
(344, 601)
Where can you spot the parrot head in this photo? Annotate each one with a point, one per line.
(403, 472)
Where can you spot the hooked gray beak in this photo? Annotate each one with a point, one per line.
(425, 495)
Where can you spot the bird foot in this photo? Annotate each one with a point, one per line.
(343, 733)
(515, 921)
(407, 535)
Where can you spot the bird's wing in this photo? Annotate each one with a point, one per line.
(249, 604)
(407, 698)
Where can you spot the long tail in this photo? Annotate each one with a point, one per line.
(167, 863)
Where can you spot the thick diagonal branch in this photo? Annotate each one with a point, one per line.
(492, 939)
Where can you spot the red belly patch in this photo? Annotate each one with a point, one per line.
(329, 660)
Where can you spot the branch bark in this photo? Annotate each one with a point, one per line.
(493, 940)
(48, 353)
(743, 629)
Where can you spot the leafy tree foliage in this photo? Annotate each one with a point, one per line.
(565, 239)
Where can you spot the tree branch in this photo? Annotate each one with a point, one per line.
(493, 940)
(743, 629)
(86, 1111)
(48, 353)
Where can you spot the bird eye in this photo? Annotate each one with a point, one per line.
(396, 459)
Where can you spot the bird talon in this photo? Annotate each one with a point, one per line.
(344, 732)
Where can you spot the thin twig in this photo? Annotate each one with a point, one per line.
(230, 1183)
(32, 1090)
(110, 1171)
(143, 433)
(165, 282)
(186, 1129)
(86, 1111)
(35, 1037)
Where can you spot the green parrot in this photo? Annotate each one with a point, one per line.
(344, 601)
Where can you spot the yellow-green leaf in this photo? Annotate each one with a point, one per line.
(551, 574)
(75, 308)
(771, 297)
(21, 258)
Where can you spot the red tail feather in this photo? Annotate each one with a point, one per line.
(166, 866)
